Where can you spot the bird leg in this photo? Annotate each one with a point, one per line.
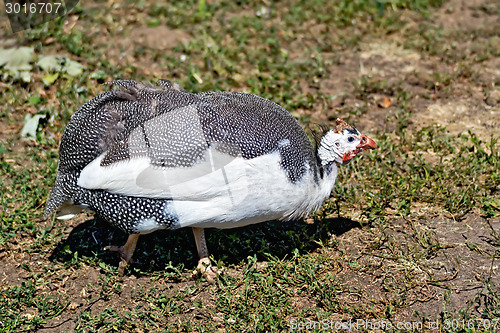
(204, 267)
(126, 251)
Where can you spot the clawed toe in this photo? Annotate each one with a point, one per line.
(206, 269)
(124, 255)
(126, 251)
(113, 248)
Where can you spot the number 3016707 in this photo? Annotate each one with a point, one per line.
(33, 8)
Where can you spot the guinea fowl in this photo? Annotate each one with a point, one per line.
(147, 157)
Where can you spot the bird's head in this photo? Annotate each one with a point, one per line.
(342, 143)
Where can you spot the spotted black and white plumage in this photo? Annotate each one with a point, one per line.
(122, 209)
(147, 157)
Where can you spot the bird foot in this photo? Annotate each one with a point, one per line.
(126, 258)
(122, 251)
(126, 251)
(206, 269)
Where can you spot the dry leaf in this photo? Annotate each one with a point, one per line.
(385, 103)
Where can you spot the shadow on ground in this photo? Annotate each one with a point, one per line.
(165, 248)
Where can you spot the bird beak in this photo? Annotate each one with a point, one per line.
(366, 143)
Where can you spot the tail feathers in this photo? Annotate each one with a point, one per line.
(63, 191)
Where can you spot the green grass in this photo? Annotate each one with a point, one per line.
(414, 172)
(381, 248)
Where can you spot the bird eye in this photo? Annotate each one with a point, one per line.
(350, 139)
